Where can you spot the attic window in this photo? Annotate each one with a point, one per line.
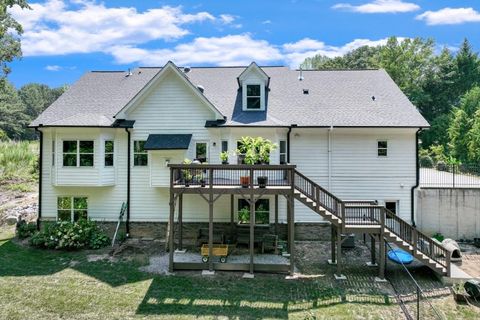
(254, 97)
(305, 91)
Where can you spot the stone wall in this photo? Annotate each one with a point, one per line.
(455, 213)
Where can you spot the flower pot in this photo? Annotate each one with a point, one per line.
(262, 181)
(202, 183)
(224, 162)
(245, 181)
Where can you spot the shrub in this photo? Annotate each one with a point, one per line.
(426, 161)
(442, 166)
(71, 236)
(24, 229)
(438, 236)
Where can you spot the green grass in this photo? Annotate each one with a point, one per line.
(18, 162)
(38, 284)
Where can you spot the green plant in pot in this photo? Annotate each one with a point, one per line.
(200, 178)
(244, 215)
(264, 147)
(187, 173)
(224, 157)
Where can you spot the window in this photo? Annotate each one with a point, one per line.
(77, 153)
(224, 146)
(201, 151)
(283, 152)
(382, 147)
(140, 155)
(53, 153)
(71, 208)
(109, 148)
(262, 211)
(253, 97)
(240, 156)
(391, 205)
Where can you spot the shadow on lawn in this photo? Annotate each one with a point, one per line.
(243, 298)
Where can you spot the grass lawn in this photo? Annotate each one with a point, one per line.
(37, 284)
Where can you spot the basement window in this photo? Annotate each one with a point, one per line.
(262, 211)
(72, 208)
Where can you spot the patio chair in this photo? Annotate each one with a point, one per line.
(270, 242)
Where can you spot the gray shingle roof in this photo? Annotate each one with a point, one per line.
(168, 141)
(338, 98)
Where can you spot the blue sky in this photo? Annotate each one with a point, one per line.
(64, 39)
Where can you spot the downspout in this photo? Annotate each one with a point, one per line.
(330, 157)
(40, 177)
(288, 141)
(417, 176)
(127, 223)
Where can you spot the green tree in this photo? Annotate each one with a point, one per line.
(10, 31)
(13, 119)
(468, 68)
(37, 97)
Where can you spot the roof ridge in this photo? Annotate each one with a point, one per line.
(107, 71)
(215, 67)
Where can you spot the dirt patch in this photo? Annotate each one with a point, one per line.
(18, 204)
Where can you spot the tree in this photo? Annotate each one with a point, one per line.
(468, 68)
(360, 58)
(12, 117)
(10, 31)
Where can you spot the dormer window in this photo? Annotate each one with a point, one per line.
(254, 97)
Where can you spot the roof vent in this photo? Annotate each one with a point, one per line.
(305, 91)
(129, 73)
(186, 69)
(201, 88)
(300, 76)
(373, 98)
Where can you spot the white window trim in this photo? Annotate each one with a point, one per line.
(388, 144)
(134, 153)
(72, 209)
(397, 205)
(207, 151)
(262, 96)
(78, 153)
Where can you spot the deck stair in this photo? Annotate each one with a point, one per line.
(369, 217)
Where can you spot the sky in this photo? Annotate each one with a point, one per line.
(64, 39)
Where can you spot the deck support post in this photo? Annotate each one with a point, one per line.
(210, 221)
(252, 230)
(333, 232)
(373, 250)
(291, 231)
(339, 274)
(171, 238)
(381, 246)
(276, 214)
(232, 217)
(180, 222)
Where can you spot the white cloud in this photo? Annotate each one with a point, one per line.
(54, 28)
(267, 22)
(450, 16)
(295, 53)
(227, 50)
(227, 18)
(379, 6)
(53, 68)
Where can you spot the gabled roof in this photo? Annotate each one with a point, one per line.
(253, 67)
(335, 98)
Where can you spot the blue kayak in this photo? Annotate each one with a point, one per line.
(400, 256)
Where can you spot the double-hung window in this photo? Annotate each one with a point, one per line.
(78, 153)
(201, 151)
(72, 208)
(382, 148)
(109, 152)
(224, 145)
(140, 155)
(283, 152)
(262, 211)
(254, 97)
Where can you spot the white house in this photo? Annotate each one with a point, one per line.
(352, 132)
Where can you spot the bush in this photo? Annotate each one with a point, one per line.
(442, 166)
(71, 236)
(24, 230)
(426, 161)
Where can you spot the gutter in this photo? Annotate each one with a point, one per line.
(40, 176)
(417, 176)
(127, 223)
(288, 141)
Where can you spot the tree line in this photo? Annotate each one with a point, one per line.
(443, 85)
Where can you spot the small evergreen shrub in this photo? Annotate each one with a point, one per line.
(66, 235)
(426, 161)
(25, 230)
(442, 166)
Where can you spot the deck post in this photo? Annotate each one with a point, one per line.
(232, 216)
(276, 214)
(252, 230)
(210, 222)
(381, 244)
(291, 233)
(333, 247)
(339, 275)
(170, 235)
(180, 222)
(373, 259)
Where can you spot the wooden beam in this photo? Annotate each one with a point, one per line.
(373, 250)
(291, 234)
(180, 222)
(381, 244)
(210, 224)
(339, 252)
(171, 231)
(333, 239)
(232, 214)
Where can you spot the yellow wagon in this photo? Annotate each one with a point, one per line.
(218, 250)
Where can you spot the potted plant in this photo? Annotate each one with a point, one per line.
(244, 215)
(264, 147)
(201, 178)
(186, 173)
(224, 157)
